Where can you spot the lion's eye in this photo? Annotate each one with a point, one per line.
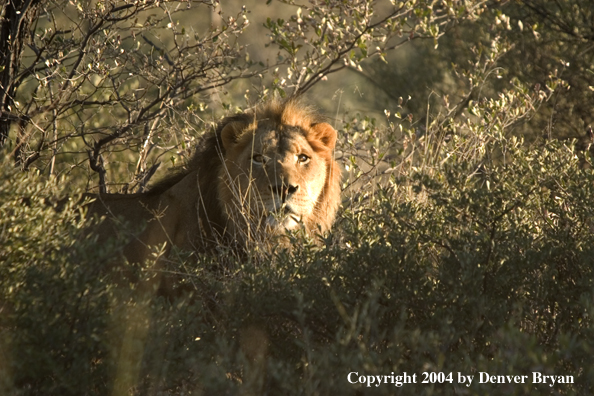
(303, 159)
(258, 158)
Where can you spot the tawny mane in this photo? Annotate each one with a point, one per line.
(292, 112)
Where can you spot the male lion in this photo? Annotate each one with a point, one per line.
(259, 174)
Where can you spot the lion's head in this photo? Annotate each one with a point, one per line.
(261, 172)
(278, 172)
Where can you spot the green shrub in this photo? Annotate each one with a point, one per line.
(474, 269)
(54, 297)
(470, 252)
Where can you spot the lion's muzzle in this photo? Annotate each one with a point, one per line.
(284, 191)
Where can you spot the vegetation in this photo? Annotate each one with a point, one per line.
(460, 247)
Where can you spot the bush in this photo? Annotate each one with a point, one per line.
(468, 264)
(54, 297)
(460, 249)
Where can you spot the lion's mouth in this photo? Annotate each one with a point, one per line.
(284, 217)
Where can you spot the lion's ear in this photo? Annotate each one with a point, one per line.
(231, 132)
(325, 133)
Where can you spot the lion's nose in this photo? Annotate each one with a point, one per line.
(284, 191)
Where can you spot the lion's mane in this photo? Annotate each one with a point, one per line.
(187, 208)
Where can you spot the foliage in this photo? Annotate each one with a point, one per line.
(459, 249)
(555, 37)
(99, 78)
(344, 34)
(112, 87)
(543, 39)
(54, 297)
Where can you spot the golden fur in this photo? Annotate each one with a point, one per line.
(260, 173)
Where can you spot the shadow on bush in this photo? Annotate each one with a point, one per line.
(473, 269)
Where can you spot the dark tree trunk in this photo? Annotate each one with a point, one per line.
(16, 17)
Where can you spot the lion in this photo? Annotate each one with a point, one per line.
(259, 174)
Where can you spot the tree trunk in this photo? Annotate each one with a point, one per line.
(16, 17)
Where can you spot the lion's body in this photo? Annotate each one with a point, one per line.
(259, 174)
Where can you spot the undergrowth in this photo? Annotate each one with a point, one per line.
(459, 249)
